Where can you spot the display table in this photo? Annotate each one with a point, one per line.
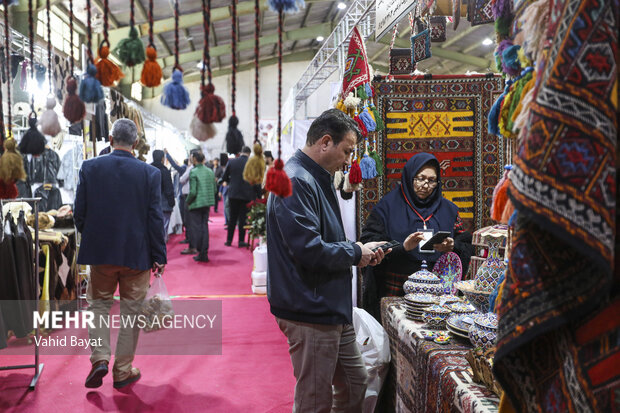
(425, 376)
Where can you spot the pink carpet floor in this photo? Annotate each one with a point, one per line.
(253, 374)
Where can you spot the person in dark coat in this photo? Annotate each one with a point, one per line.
(117, 210)
(240, 192)
(234, 138)
(167, 189)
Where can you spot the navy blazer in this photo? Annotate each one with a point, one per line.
(238, 188)
(118, 211)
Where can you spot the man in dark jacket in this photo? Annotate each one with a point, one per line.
(118, 212)
(240, 192)
(167, 189)
(309, 271)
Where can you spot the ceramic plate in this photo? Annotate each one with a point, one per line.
(457, 333)
(437, 309)
(488, 320)
(461, 307)
(450, 270)
(422, 298)
(460, 322)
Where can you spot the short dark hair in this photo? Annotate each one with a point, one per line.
(268, 154)
(199, 157)
(246, 149)
(334, 123)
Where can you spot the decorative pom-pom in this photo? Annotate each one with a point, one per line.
(498, 186)
(33, 141)
(277, 181)
(287, 6)
(254, 170)
(90, 86)
(361, 92)
(351, 102)
(11, 163)
(368, 167)
(510, 61)
(151, 71)
(501, 8)
(211, 107)
(355, 174)
(175, 95)
(73, 108)
(49, 119)
(378, 163)
(348, 187)
(107, 71)
(130, 50)
(500, 201)
(509, 209)
(200, 130)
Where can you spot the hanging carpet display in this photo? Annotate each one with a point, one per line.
(446, 116)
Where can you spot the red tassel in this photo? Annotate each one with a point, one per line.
(355, 174)
(73, 109)
(277, 181)
(211, 108)
(360, 125)
(8, 191)
(509, 209)
(151, 71)
(107, 71)
(500, 201)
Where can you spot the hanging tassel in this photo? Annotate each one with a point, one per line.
(107, 71)
(11, 163)
(73, 109)
(338, 180)
(151, 71)
(341, 107)
(90, 87)
(510, 60)
(500, 201)
(287, 6)
(277, 181)
(348, 187)
(509, 209)
(175, 95)
(368, 90)
(351, 102)
(368, 167)
(361, 92)
(380, 126)
(211, 107)
(200, 130)
(360, 125)
(507, 169)
(368, 121)
(33, 142)
(355, 174)
(378, 164)
(130, 50)
(501, 8)
(49, 119)
(254, 170)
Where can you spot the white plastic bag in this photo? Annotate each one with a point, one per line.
(157, 306)
(374, 345)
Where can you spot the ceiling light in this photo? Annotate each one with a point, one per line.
(342, 5)
(320, 38)
(487, 42)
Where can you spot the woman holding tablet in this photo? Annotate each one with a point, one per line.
(411, 214)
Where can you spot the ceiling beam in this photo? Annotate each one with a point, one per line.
(186, 20)
(459, 36)
(298, 56)
(304, 33)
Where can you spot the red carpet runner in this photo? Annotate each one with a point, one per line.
(253, 374)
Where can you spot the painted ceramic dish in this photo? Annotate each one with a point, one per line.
(450, 269)
(423, 281)
(447, 299)
(457, 333)
(461, 307)
(486, 321)
(460, 322)
(479, 299)
(422, 298)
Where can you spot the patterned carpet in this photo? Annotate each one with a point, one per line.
(446, 116)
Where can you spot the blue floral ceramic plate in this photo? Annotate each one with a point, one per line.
(450, 270)
(460, 322)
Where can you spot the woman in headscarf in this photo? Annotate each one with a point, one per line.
(403, 214)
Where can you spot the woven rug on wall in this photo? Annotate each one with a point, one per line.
(445, 116)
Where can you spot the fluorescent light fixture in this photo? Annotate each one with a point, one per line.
(320, 38)
(487, 42)
(342, 5)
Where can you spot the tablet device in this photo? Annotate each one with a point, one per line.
(437, 238)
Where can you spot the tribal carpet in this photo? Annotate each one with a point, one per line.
(446, 116)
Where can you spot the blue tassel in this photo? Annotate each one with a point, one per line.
(493, 296)
(368, 167)
(493, 120)
(90, 87)
(287, 6)
(175, 95)
(368, 90)
(510, 60)
(369, 122)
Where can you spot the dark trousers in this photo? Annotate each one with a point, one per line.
(198, 224)
(238, 215)
(188, 229)
(182, 209)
